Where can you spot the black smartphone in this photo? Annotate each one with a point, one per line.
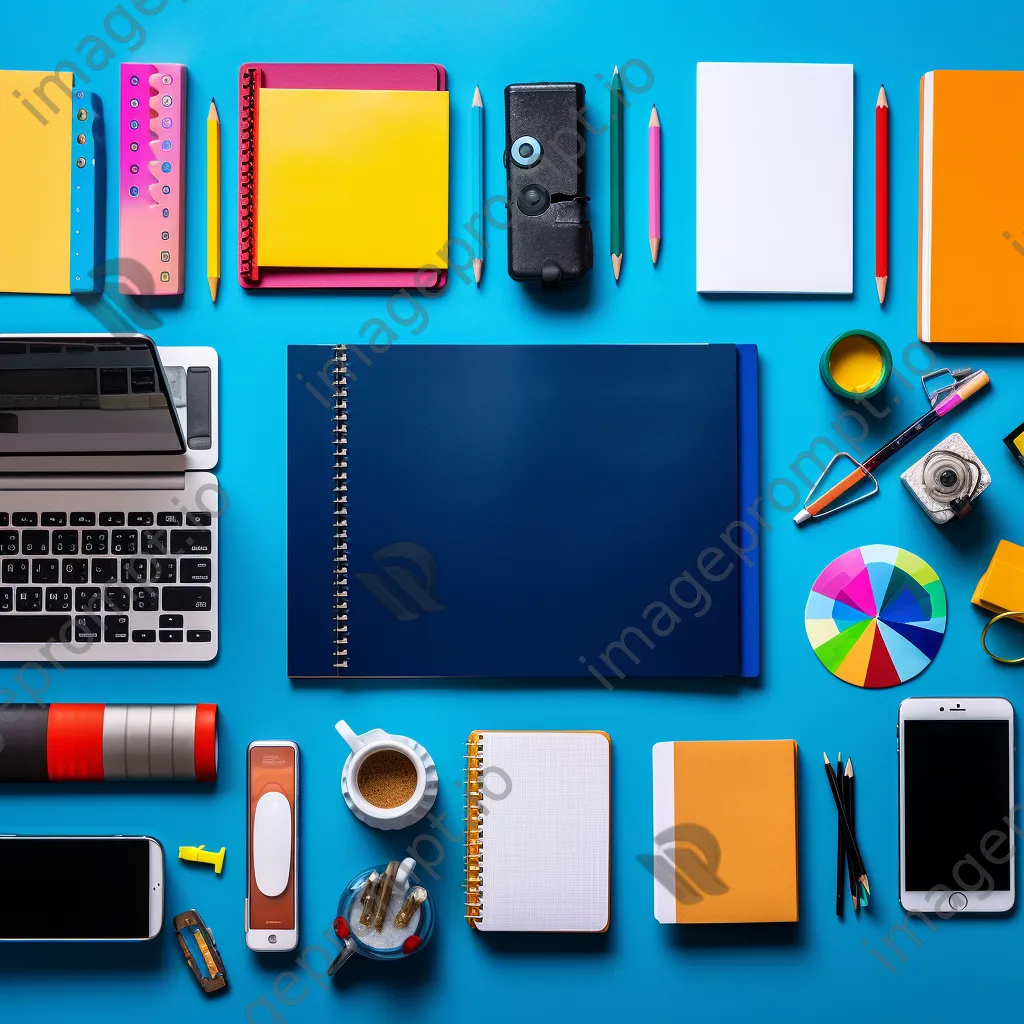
(100, 888)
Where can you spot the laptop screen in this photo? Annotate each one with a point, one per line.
(95, 396)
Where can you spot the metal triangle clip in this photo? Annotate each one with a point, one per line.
(809, 500)
(951, 380)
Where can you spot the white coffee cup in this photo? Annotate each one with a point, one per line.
(372, 742)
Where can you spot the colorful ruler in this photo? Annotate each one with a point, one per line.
(876, 616)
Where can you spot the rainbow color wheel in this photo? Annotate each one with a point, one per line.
(876, 616)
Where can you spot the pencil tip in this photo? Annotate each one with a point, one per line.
(824, 755)
(883, 100)
(615, 70)
(478, 100)
(213, 110)
(655, 121)
(617, 265)
(849, 767)
(478, 270)
(655, 248)
(881, 283)
(214, 282)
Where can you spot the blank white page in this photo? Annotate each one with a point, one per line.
(775, 178)
(545, 832)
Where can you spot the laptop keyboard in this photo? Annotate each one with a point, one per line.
(107, 577)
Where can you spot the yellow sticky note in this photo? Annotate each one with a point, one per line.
(35, 182)
(1001, 589)
(352, 178)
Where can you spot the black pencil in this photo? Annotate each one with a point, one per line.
(852, 850)
(840, 861)
(851, 813)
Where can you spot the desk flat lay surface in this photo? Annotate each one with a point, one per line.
(812, 970)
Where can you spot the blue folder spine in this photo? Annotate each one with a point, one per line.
(749, 512)
(88, 194)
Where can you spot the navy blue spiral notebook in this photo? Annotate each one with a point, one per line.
(522, 511)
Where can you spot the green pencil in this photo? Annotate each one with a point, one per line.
(615, 123)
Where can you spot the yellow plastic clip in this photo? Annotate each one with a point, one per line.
(200, 855)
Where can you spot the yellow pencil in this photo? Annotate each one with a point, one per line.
(213, 199)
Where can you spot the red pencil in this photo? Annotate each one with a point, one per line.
(881, 194)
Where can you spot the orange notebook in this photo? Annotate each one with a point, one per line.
(971, 214)
(725, 832)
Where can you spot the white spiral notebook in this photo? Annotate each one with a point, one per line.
(537, 831)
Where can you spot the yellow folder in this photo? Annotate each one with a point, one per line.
(352, 178)
(35, 184)
(725, 832)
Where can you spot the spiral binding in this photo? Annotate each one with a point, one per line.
(340, 507)
(474, 830)
(246, 175)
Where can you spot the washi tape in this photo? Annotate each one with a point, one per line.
(108, 742)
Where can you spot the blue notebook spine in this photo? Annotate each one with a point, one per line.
(340, 508)
(749, 495)
(88, 216)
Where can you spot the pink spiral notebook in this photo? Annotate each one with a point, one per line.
(253, 78)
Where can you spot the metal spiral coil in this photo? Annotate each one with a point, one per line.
(246, 176)
(474, 834)
(340, 508)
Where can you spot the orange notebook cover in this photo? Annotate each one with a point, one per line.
(971, 233)
(725, 832)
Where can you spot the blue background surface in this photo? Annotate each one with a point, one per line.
(638, 968)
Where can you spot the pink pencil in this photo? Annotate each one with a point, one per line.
(654, 183)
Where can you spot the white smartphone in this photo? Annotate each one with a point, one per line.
(957, 845)
(272, 886)
(81, 888)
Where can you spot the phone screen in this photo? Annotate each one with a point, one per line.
(956, 804)
(74, 888)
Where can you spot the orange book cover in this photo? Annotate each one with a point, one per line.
(971, 234)
(725, 832)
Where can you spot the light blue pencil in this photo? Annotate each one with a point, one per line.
(478, 184)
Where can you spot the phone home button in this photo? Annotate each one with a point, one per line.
(957, 901)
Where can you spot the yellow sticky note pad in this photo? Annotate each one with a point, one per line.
(35, 183)
(1001, 588)
(352, 178)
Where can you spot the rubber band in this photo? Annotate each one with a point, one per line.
(984, 633)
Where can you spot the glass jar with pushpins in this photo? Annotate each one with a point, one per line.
(382, 914)
(857, 364)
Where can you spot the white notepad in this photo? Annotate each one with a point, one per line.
(543, 822)
(775, 178)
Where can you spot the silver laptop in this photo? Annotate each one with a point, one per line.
(108, 509)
